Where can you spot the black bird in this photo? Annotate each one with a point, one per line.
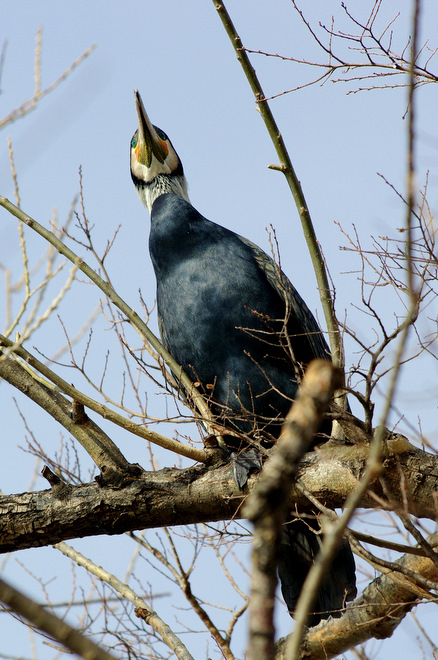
(234, 322)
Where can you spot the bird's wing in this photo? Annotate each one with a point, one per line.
(292, 299)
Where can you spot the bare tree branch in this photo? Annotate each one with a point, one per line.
(288, 170)
(382, 606)
(102, 410)
(108, 290)
(98, 445)
(51, 624)
(267, 505)
(143, 610)
(39, 93)
(178, 497)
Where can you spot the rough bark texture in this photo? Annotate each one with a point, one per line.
(380, 609)
(267, 505)
(200, 494)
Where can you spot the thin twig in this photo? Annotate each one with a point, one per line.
(31, 104)
(143, 610)
(72, 639)
(374, 464)
(133, 317)
(99, 408)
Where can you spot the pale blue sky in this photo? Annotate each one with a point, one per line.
(179, 57)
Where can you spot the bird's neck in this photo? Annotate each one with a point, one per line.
(161, 185)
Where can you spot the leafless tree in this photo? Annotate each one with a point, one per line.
(196, 510)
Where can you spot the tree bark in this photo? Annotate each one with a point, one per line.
(376, 613)
(200, 494)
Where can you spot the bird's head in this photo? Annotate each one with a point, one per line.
(155, 166)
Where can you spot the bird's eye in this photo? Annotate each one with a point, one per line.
(134, 142)
(162, 134)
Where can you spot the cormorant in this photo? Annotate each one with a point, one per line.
(233, 321)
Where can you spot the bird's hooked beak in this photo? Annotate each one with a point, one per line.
(149, 143)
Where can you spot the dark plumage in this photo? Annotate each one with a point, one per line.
(222, 311)
(298, 547)
(234, 322)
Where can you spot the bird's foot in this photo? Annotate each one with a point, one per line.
(243, 463)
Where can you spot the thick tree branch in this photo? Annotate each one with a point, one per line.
(380, 609)
(200, 494)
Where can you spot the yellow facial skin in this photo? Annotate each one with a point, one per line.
(151, 150)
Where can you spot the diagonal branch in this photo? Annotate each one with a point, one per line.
(59, 630)
(376, 613)
(142, 609)
(287, 168)
(39, 93)
(102, 410)
(96, 443)
(107, 289)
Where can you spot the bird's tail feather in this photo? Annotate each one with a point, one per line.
(298, 547)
